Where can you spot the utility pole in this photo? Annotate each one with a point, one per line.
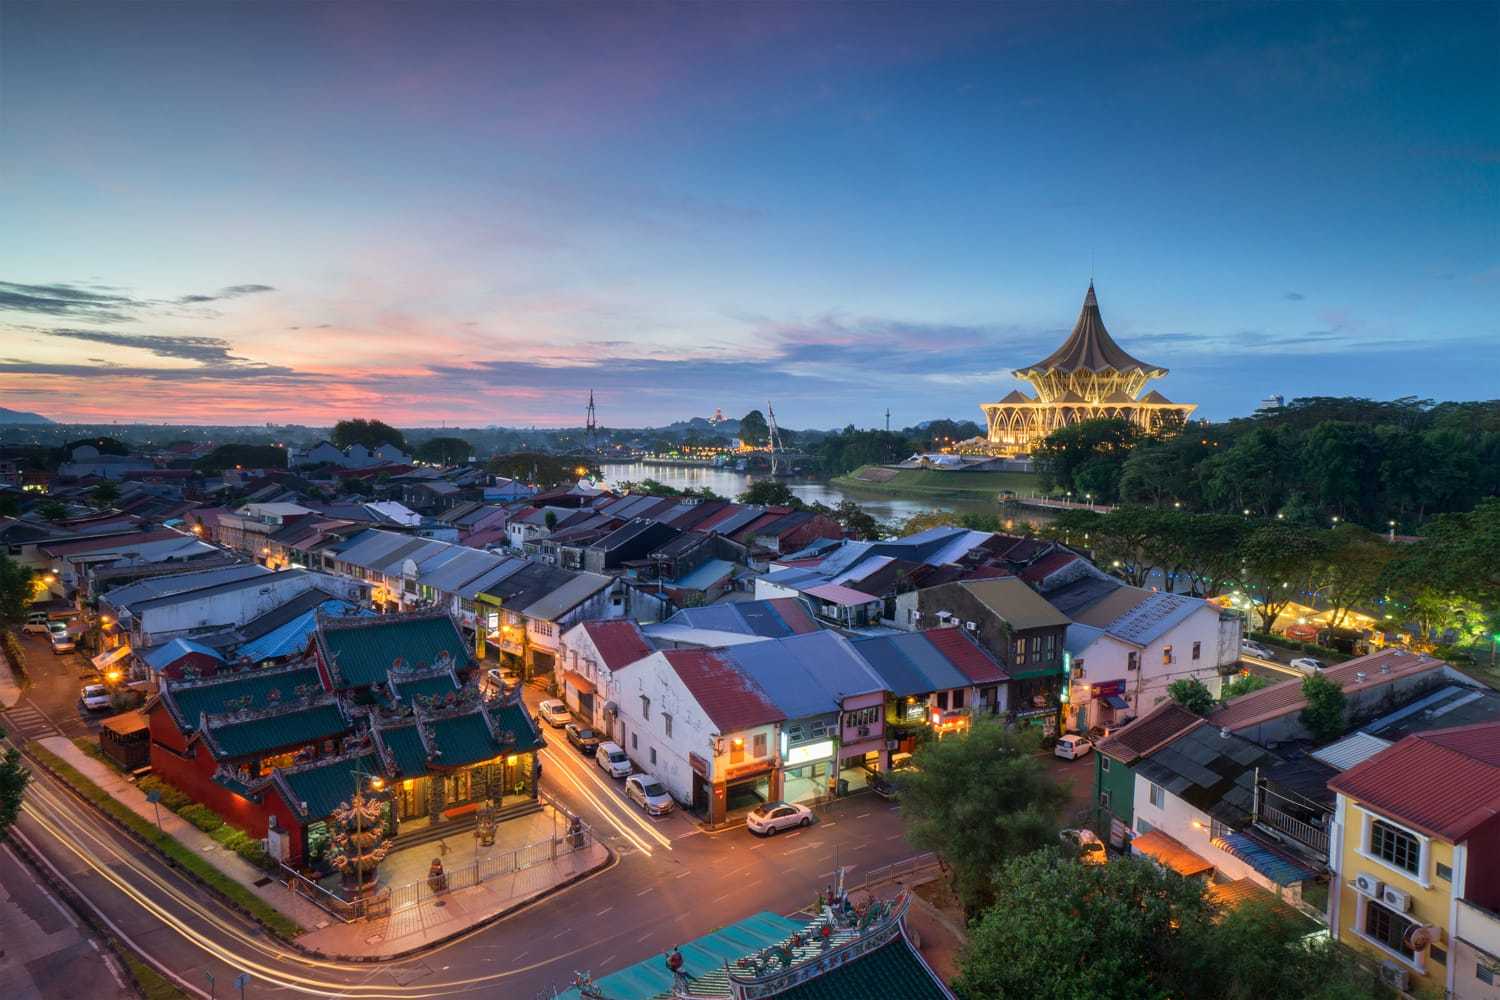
(887, 419)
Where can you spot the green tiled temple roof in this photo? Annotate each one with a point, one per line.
(276, 732)
(406, 750)
(324, 787)
(257, 685)
(464, 740)
(427, 687)
(362, 650)
(515, 719)
(890, 971)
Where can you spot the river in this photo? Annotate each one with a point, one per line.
(728, 483)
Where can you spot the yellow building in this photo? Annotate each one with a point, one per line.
(1088, 377)
(1416, 861)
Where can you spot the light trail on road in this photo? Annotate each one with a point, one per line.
(593, 800)
(626, 809)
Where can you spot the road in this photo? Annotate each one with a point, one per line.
(49, 705)
(673, 882)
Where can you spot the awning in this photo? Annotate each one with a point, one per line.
(1270, 862)
(1115, 701)
(112, 656)
(578, 682)
(1170, 852)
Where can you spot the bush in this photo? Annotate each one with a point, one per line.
(14, 653)
(202, 817)
(169, 846)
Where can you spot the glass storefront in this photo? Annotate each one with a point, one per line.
(806, 783)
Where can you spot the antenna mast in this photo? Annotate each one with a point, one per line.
(773, 437)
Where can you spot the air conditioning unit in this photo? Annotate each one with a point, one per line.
(1368, 885)
(972, 626)
(943, 616)
(1396, 899)
(1395, 976)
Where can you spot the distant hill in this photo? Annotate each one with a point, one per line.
(21, 417)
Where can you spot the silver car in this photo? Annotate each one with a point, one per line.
(648, 793)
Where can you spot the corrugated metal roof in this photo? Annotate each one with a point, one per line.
(1285, 697)
(178, 583)
(728, 696)
(832, 593)
(556, 603)
(159, 657)
(807, 675)
(1170, 853)
(1352, 749)
(619, 642)
(964, 653)
(1444, 783)
(1016, 603)
(1153, 617)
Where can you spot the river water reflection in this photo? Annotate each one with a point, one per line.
(728, 483)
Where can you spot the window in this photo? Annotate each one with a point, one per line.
(958, 699)
(645, 707)
(1132, 660)
(736, 751)
(1104, 763)
(653, 756)
(1166, 655)
(942, 701)
(1484, 974)
(1036, 644)
(1019, 650)
(1104, 797)
(1158, 796)
(635, 741)
(666, 724)
(1051, 645)
(1387, 927)
(1444, 872)
(760, 745)
(1395, 846)
(1197, 650)
(1141, 826)
(1437, 954)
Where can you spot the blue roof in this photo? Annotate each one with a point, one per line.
(703, 956)
(707, 575)
(1269, 862)
(159, 657)
(909, 664)
(807, 674)
(1142, 624)
(293, 637)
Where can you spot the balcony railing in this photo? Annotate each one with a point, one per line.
(1314, 838)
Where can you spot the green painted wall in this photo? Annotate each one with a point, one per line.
(1119, 781)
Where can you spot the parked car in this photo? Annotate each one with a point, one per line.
(498, 681)
(1309, 664)
(883, 787)
(611, 756)
(648, 793)
(770, 818)
(62, 642)
(1249, 648)
(1090, 848)
(94, 697)
(555, 712)
(36, 623)
(1071, 746)
(584, 739)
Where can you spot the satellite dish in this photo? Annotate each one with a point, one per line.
(1418, 937)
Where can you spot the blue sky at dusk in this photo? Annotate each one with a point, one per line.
(477, 213)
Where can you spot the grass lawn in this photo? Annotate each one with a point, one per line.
(938, 483)
(169, 846)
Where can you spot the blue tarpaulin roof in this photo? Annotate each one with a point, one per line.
(167, 653)
(293, 637)
(1271, 863)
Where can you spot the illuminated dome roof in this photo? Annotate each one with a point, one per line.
(1090, 348)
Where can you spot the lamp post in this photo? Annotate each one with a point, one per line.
(1393, 530)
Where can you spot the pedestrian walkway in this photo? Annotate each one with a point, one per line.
(419, 918)
(10, 691)
(29, 722)
(273, 893)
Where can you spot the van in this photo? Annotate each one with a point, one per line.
(611, 757)
(36, 623)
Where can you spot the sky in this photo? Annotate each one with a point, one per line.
(475, 214)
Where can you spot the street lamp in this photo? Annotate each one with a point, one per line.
(1393, 529)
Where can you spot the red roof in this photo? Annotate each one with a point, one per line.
(731, 699)
(620, 643)
(966, 654)
(64, 549)
(718, 517)
(794, 613)
(1157, 728)
(1444, 783)
(1046, 566)
(1286, 697)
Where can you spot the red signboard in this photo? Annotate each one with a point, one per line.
(1107, 688)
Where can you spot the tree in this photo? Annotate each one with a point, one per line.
(769, 493)
(445, 451)
(52, 510)
(105, 493)
(856, 521)
(976, 800)
(550, 519)
(1087, 457)
(1324, 714)
(1192, 694)
(370, 433)
(242, 456)
(974, 521)
(1243, 684)
(1282, 563)
(1131, 930)
(1123, 542)
(1356, 572)
(15, 591)
(753, 429)
(13, 781)
(1211, 551)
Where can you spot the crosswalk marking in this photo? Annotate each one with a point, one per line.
(29, 722)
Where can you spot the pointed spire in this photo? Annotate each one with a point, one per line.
(1090, 347)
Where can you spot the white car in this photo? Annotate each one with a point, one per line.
(1309, 664)
(1088, 845)
(1071, 746)
(36, 623)
(555, 712)
(1249, 648)
(62, 642)
(648, 793)
(95, 697)
(611, 757)
(770, 818)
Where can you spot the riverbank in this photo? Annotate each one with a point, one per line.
(936, 484)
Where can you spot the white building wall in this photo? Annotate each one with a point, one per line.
(1192, 827)
(233, 607)
(692, 730)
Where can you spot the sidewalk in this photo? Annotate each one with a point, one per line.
(418, 919)
(10, 691)
(274, 893)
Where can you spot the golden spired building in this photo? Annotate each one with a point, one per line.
(1088, 377)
